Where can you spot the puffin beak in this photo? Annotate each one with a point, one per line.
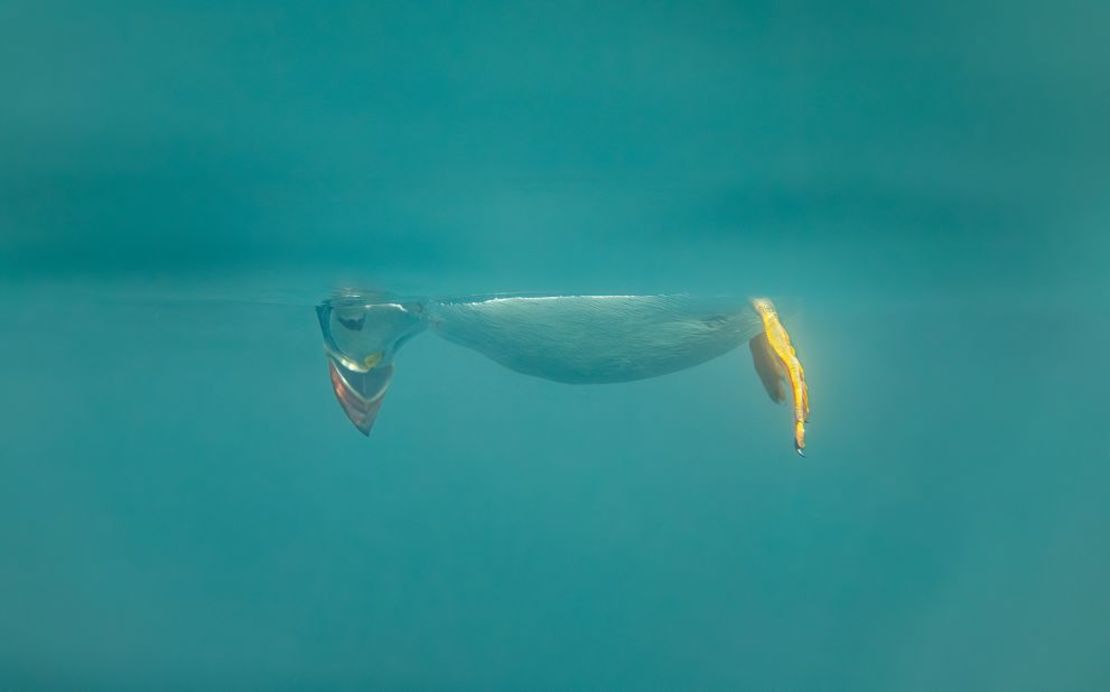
(360, 393)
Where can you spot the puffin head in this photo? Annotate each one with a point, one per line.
(362, 332)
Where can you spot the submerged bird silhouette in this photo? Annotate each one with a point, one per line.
(578, 339)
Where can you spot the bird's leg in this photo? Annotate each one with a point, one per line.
(777, 341)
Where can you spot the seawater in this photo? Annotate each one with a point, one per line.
(921, 191)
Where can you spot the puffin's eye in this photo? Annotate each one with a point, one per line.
(355, 324)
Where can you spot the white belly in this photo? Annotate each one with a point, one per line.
(595, 339)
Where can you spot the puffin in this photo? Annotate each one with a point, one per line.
(573, 339)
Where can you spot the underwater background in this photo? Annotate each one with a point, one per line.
(922, 189)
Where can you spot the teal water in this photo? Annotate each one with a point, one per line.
(921, 189)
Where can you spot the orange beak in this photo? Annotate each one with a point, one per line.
(360, 393)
